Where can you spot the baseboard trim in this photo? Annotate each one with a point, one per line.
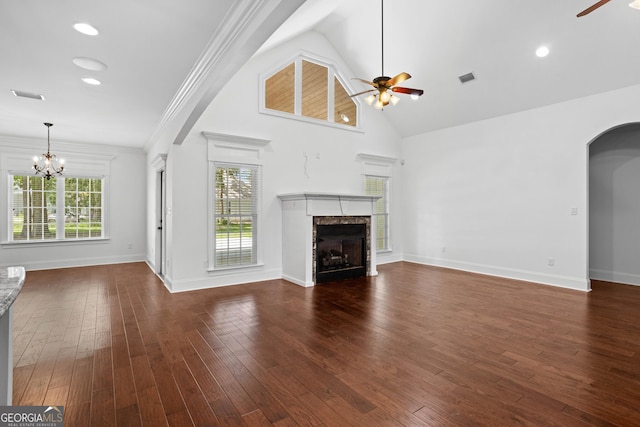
(81, 262)
(615, 276)
(508, 273)
(223, 280)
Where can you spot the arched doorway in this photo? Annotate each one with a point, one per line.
(614, 205)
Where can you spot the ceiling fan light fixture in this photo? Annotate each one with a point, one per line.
(415, 97)
(635, 4)
(385, 96)
(383, 84)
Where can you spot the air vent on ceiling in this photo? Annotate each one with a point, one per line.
(24, 94)
(467, 77)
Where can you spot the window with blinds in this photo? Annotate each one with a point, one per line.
(379, 186)
(235, 215)
(60, 208)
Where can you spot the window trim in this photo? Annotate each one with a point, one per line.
(232, 150)
(18, 161)
(380, 166)
(386, 197)
(256, 227)
(7, 237)
(333, 71)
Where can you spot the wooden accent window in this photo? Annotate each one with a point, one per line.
(280, 90)
(311, 89)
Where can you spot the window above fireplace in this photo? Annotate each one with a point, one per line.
(309, 89)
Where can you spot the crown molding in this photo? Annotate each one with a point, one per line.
(16, 143)
(242, 27)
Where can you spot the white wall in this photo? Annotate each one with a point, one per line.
(496, 196)
(126, 208)
(614, 205)
(330, 165)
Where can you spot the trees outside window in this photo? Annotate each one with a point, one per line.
(235, 215)
(61, 208)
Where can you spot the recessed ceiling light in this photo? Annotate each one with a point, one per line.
(542, 51)
(91, 81)
(89, 63)
(344, 118)
(85, 28)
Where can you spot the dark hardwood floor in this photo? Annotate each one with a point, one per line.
(415, 346)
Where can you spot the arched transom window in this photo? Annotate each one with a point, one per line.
(309, 89)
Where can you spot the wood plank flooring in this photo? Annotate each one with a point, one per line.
(415, 346)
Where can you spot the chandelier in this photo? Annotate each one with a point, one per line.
(48, 164)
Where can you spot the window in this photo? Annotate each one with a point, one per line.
(61, 208)
(310, 89)
(235, 215)
(379, 186)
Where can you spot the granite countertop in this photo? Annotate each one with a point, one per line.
(11, 281)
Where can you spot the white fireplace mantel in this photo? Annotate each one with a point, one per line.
(298, 210)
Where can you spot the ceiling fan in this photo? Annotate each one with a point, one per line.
(384, 85)
(634, 4)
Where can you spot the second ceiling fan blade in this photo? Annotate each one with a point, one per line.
(407, 90)
(398, 79)
(365, 81)
(360, 93)
(592, 8)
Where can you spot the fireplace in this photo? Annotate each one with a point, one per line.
(340, 247)
(314, 254)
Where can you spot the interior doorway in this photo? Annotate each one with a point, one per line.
(614, 205)
(161, 257)
(160, 247)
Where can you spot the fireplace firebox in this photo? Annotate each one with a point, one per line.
(340, 250)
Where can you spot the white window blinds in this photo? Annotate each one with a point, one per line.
(235, 215)
(379, 186)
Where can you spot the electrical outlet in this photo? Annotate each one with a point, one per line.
(551, 262)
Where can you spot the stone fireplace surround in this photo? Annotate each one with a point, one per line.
(298, 237)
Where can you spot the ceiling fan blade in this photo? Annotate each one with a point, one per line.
(360, 93)
(364, 81)
(407, 90)
(398, 79)
(592, 8)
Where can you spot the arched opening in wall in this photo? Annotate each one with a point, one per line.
(614, 205)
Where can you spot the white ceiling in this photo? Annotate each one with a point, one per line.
(153, 47)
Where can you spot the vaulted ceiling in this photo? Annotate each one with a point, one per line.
(166, 60)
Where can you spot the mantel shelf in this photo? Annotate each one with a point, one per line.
(327, 196)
